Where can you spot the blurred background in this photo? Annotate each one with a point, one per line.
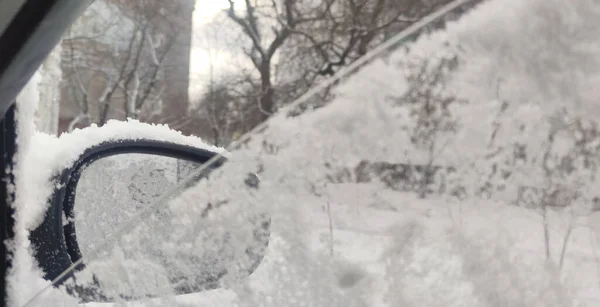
(211, 68)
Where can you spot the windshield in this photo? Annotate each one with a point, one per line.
(398, 153)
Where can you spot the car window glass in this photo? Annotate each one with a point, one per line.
(441, 154)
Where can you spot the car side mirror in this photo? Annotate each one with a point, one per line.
(181, 246)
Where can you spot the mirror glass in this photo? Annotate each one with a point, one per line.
(187, 244)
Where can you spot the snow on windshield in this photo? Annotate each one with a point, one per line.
(445, 173)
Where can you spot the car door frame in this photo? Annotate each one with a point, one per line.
(33, 31)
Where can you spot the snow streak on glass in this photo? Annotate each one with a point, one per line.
(175, 249)
(457, 169)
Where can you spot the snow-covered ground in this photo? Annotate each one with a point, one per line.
(341, 242)
(421, 253)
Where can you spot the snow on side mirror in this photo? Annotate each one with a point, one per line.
(120, 210)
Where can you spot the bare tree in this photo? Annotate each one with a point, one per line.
(315, 38)
(217, 111)
(432, 124)
(116, 70)
(227, 109)
(292, 44)
(569, 177)
(281, 17)
(342, 31)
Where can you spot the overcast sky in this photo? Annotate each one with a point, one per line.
(206, 46)
(217, 40)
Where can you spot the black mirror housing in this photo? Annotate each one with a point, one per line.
(55, 240)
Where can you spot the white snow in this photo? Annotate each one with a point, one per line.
(49, 90)
(545, 52)
(389, 247)
(52, 154)
(25, 270)
(45, 156)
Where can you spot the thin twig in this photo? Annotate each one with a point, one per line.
(330, 228)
